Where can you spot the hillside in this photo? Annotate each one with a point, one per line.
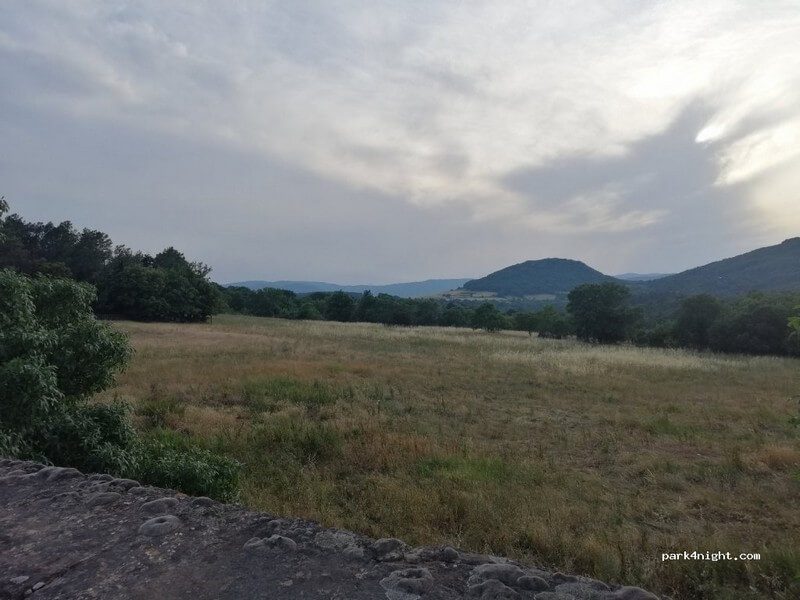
(642, 276)
(771, 269)
(413, 289)
(534, 277)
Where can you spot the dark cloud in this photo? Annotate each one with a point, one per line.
(668, 172)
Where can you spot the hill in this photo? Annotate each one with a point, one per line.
(642, 276)
(770, 269)
(534, 277)
(413, 289)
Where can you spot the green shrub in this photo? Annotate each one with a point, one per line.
(95, 438)
(53, 356)
(167, 461)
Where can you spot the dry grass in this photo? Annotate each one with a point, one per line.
(584, 458)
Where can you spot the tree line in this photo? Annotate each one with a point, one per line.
(168, 287)
(131, 285)
(391, 310)
(596, 313)
(756, 323)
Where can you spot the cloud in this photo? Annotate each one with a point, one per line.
(556, 118)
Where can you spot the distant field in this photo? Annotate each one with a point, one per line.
(588, 459)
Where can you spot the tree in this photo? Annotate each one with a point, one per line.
(366, 308)
(551, 323)
(89, 255)
(753, 325)
(53, 356)
(166, 287)
(488, 317)
(601, 312)
(695, 319)
(339, 307)
(793, 342)
(427, 312)
(455, 315)
(3, 211)
(162, 288)
(525, 321)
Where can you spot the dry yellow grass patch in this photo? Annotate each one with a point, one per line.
(777, 458)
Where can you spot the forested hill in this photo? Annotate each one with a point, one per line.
(771, 269)
(546, 276)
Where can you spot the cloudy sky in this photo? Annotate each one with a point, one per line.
(385, 140)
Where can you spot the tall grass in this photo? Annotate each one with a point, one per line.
(581, 458)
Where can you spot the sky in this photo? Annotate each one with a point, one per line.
(381, 141)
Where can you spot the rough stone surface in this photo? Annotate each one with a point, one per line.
(67, 536)
(387, 549)
(161, 506)
(160, 525)
(103, 498)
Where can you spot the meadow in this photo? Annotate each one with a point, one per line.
(588, 459)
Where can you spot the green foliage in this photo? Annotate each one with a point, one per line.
(548, 322)
(487, 317)
(167, 460)
(455, 315)
(339, 307)
(92, 438)
(601, 312)
(166, 287)
(793, 341)
(695, 319)
(525, 321)
(756, 324)
(53, 356)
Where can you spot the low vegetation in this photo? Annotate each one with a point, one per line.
(586, 458)
(54, 355)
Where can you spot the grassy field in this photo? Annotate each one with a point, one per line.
(588, 459)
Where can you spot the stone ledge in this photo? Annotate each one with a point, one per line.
(66, 535)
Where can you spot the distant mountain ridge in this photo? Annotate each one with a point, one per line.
(642, 276)
(770, 269)
(412, 289)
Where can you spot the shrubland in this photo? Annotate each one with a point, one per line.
(54, 357)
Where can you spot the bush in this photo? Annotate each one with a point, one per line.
(166, 461)
(92, 438)
(53, 356)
